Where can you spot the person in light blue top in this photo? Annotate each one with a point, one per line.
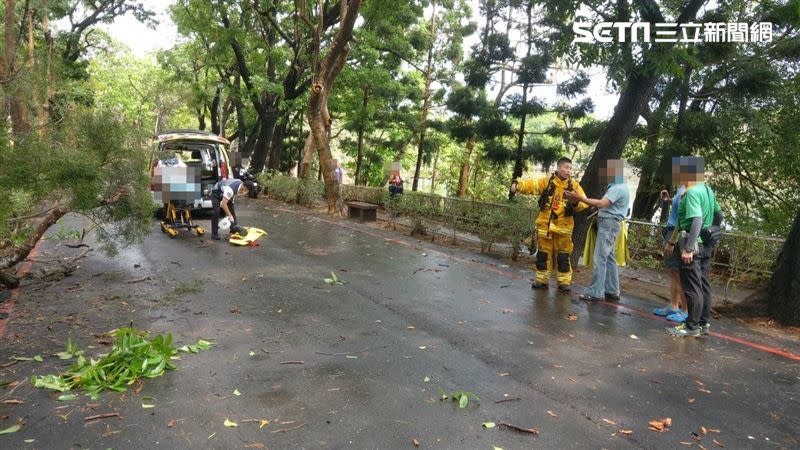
(619, 197)
(672, 220)
(613, 210)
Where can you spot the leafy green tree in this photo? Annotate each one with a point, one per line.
(80, 157)
(437, 42)
(376, 98)
(141, 91)
(474, 119)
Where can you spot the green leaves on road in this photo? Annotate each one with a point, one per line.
(333, 280)
(134, 355)
(11, 429)
(230, 423)
(195, 348)
(462, 397)
(37, 358)
(71, 351)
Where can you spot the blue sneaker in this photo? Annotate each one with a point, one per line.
(665, 311)
(679, 316)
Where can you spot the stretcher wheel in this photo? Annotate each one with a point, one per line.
(172, 233)
(200, 231)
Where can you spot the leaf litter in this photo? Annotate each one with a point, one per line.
(660, 425)
(134, 355)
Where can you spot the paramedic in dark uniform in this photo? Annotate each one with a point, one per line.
(222, 197)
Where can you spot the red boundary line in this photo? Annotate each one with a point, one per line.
(764, 348)
(8, 305)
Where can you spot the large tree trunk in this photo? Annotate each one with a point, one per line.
(433, 171)
(276, 148)
(241, 124)
(265, 105)
(783, 291)
(656, 173)
(308, 157)
(20, 120)
(201, 119)
(426, 98)
(633, 100)
(270, 112)
(261, 149)
(360, 148)
(225, 114)
(318, 117)
(463, 178)
(214, 111)
(646, 196)
(44, 114)
(249, 140)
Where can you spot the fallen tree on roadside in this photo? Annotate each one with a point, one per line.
(88, 164)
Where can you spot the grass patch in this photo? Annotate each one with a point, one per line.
(188, 287)
(111, 276)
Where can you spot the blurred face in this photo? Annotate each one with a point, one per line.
(691, 169)
(612, 171)
(677, 176)
(564, 170)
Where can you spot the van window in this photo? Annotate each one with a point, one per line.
(199, 155)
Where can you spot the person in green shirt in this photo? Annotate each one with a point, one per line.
(698, 213)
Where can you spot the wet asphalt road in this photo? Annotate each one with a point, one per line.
(407, 311)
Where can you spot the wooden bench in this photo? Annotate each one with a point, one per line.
(364, 212)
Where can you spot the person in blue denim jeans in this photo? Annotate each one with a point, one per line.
(613, 208)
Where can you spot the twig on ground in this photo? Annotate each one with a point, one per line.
(519, 429)
(139, 280)
(341, 354)
(288, 429)
(513, 399)
(101, 416)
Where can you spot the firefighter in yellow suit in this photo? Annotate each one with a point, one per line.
(554, 223)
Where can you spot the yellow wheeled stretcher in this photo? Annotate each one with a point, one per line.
(176, 219)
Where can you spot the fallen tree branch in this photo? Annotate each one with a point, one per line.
(8, 280)
(18, 254)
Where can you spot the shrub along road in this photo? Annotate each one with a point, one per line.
(361, 364)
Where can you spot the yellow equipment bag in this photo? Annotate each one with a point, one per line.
(620, 250)
(249, 239)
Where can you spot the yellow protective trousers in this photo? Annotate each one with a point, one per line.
(553, 251)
